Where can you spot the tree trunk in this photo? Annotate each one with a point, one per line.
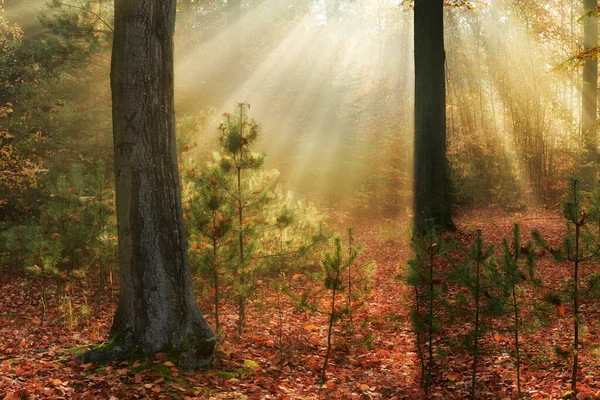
(590, 95)
(157, 308)
(431, 198)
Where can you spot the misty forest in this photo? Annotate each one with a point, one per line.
(299, 199)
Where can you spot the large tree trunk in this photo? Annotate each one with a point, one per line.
(431, 198)
(590, 94)
(157, 308)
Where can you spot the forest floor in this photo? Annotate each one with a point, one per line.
(281, 353)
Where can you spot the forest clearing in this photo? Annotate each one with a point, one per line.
(299, 199)
(374, 359)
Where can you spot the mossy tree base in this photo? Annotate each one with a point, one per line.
(191, 353)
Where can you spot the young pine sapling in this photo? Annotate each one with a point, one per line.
(237, 137)
(480, 275)
(334, 267)
(514, 276)
(210, 223)
(424, 276)
(578, 246)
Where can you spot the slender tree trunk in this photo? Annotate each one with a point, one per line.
(332, 317)
(240, 209)
(431, 197)
(576, 311)
(590, 96)
(476, 340)
(157, 308)
(216, 282)
(430, 325)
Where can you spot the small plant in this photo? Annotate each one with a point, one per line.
(514, 276)
(210, 223)
(425, 277)
(579, 245)
(479, 274)
(334, 267)
(238, 135)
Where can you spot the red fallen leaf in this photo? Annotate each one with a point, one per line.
(19, 371)
(156, 389)
(269, 343)
(330, 385)
(159, 380)
(55, 235)
(497, 336)
(137, 378)
(560, 309)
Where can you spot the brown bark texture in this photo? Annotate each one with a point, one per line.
(157, 309)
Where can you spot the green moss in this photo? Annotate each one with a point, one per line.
(226, 374)
(162, 370)
(76, 351)
(137, 354)
(250, 365)
(113, 344)
(12, 360)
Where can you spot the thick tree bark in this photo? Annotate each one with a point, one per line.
(157, 308)
(431, 197)
(590, 94)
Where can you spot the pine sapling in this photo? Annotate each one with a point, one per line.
(424, 276)
(481, 277)
(210, 219)
(237, 136)
(578, 246)
(334, 266)
(513, 277)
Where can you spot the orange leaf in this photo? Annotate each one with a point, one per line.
(330, 385)
(168, 364)
(138, 378)
(497, 337)
(560, 309)
(451, 378)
